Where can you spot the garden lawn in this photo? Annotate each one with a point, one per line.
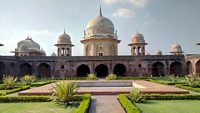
(36, 107)
(170, 106)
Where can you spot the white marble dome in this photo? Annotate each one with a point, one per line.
(158, 52)
(64, 39)
(137, 38)
(176, 48)
(100, 26)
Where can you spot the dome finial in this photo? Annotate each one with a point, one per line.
(64, 31)
(137, 30)
(100, 13)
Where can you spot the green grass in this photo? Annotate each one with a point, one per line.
(41, 107)
(171, 106)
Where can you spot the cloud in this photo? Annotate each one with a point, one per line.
(113, 1)
(136, 3)
(139, 3)
(149, 22)
(124, 13)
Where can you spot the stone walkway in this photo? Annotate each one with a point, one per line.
(105, 104)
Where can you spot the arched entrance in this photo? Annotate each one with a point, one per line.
(120, 70)
(158, 69)
(2, 69)
(82, 70)
(188, 68)
(12, 67)
(176, 68)
(198, 67)
(25, 69)
(44, 70)
(101, 70)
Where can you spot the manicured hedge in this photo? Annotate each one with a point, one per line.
(164, 82)
(14, 90)
(9, 99)
(36, 84)
(184, 86)
(85, 104)
(172, 97)
(132, 78)
(128, 106)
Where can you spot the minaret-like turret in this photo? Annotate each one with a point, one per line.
(64, 45)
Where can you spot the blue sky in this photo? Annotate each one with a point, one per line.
(162, 22)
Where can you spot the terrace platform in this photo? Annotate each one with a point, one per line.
(114, 87)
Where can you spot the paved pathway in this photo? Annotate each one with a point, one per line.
(105, 104)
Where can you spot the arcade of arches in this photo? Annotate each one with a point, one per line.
(50, 69)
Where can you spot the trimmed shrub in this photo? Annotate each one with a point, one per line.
(111, 77)
(28, 79)
(128, 106)
(9, 81)
(64, 92)
(91, 77)
(85, 104)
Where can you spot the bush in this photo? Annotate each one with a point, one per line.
(191, 80)
(64, 92)
(27, 79)
(128, 106)
(111, 77)
(173, 78)
(136, 96)
(85, 104)
(9, 81)
(91, 77)
(172, 97)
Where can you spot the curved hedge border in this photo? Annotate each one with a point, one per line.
(85, 104)
(128, 106)
(14, 90)
(188, 87)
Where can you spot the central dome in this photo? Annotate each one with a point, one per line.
(100, 26)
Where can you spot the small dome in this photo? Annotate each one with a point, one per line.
(176, 48)
(27, 44)
(158, 52)
(137, 38)
(53, 54)
(64, 39)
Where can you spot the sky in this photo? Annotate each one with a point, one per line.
(162, 22)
